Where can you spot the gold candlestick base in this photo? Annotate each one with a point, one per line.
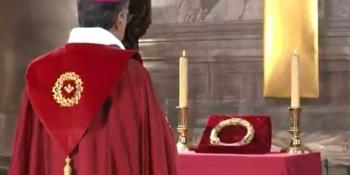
(182, 129)
(296, 146)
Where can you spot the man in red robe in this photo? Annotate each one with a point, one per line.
(89, 107)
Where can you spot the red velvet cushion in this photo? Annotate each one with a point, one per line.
(261, 142)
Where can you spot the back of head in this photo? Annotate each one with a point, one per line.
(100, 13)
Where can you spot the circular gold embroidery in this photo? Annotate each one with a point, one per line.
(215, 140)
(68, 89)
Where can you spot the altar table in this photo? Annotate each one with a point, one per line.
(191, 163)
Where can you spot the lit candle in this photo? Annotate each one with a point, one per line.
(295, 88)
(183, 80)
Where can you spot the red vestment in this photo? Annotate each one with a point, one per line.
(116, 128)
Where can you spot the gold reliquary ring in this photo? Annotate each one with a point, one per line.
(215, 140)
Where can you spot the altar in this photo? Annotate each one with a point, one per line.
(191, 163)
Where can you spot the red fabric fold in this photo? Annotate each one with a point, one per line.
(127, 135)
(101, 70)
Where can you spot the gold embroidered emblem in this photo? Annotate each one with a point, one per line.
(68, 89)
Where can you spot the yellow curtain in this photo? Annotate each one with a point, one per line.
(290, 25)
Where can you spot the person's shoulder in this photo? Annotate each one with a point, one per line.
(46, 56)
(135, 67)
(136, 72)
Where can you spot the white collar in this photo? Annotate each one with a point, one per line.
(95, 35)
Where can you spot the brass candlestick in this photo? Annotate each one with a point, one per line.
(182, 129)
(296, 146)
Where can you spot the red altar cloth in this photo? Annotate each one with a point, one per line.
(253, 164)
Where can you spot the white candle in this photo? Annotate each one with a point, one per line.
(183, 80)
(295, 88)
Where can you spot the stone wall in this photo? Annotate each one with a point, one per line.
(223, 39)
(224, 43)
(28, 29)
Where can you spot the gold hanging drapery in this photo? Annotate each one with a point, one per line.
(290, 25)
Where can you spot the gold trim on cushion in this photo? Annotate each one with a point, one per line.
(215, 140)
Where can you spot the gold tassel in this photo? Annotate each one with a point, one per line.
(67, 168)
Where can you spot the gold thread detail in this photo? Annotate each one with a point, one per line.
(215, 140)
(73, 87)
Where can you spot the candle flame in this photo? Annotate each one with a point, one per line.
(184, 53)
(295, 52)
